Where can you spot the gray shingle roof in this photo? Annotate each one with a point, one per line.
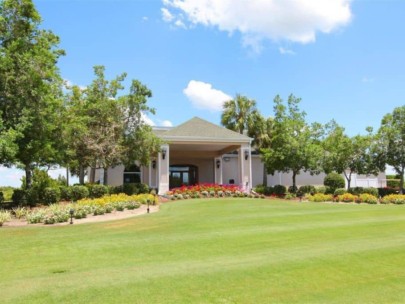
(200, 129)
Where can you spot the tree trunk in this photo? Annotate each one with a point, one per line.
(81, 175)
(348, 179)
(264, 175)
(67, 176)
(401, 182)
(92, 175)
(28, 176)
(294, 180)
(105, 182)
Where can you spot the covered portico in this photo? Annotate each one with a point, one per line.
(195, 152)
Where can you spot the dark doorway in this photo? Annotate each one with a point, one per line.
(183, 175)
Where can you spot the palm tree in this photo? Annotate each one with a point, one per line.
(238, 113)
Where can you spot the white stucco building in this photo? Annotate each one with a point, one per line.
(198, 151)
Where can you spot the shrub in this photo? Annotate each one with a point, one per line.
(347, 198)
(132, 205)
(323, 190)
(19, 197)
(320, 197)
(51, 195)
(40, 181)
(368, 198)
(20, 212)
(1, 197)
(65, 193)
(269, 190)
(340, 191)
(356, 190)
(292, 189)
(371, 190)
(260, 189)
(79, 192)
(96, 190)
(398, 199)
(307, 189)
(279, 190)
(36, 217)
(129, 189)
(289, 196)
(7, 192)
(334, 181)
(387, 191)
(393, 183)
(142, 188)
(5, 216)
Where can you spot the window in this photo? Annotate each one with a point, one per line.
(132, 175)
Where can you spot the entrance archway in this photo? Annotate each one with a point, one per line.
(183, 175)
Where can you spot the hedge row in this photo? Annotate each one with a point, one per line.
(51, 195)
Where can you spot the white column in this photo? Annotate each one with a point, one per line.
(245, 163)
(218, 169)
(163, 172)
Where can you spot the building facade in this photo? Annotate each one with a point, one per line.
(198, 151)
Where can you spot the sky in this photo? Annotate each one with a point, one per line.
(344, 58)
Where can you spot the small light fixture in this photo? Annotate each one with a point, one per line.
(71, 212)
(163, 153)
(218, 163)
(148, 202)
(246, 154)
(153, 164)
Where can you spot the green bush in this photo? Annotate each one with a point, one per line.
(19, 197)
(40, 181)
(7, 192)
(393, 183)
(292, 189)
(386, 191)
(340, 191)
(260, 189)
(372, 191)
(269, 190)
(279, 190)
(307, 189)
(322, 190)
(79, 192)
(96, 190)
(1, 197)
(334, 181)
(356, 190)
(65, 193)
(130, 189)
(290, 196)
(51, 195)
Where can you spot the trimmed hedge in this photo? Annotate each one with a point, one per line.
(334, 181)
(51, 195)
(96, 190)
(307, 189)
(79, 192)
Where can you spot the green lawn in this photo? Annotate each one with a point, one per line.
(213, 251)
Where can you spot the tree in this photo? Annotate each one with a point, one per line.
(391, 142)
(239, 113)
(295, 145)
(104, 129)
(30, 85)
(261, 130)
(348, 155)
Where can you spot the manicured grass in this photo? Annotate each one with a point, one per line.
(213, 251)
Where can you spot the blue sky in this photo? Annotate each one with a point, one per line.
(344, 58)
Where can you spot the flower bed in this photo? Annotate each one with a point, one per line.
(59, 213)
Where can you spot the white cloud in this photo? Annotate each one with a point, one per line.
(258, 20)
(166, 15)
(144, 18)
(203, 96)
(167, 123)
(284, 51)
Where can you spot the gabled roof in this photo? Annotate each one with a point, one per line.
(197, 129)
